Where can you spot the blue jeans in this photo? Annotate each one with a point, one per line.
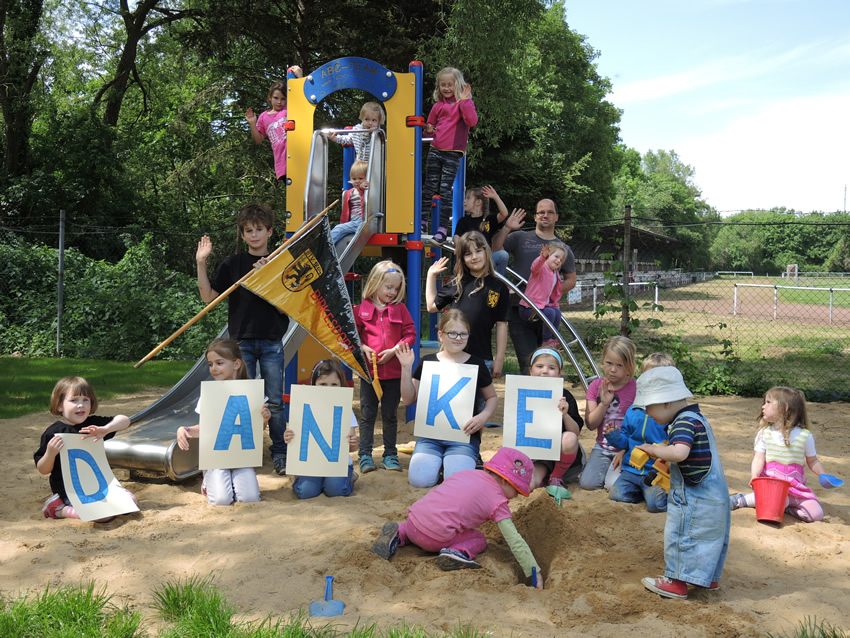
(312, 486)
(269, 354)
(630, 488)
(597, 469)
(696, 535)
(440, 172)
(430, 455)
(345, 229)
(500, 261)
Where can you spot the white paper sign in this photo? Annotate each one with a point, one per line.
(445, 401)
(91, 486)
(532, 418)
(231, 424)
(320, 416)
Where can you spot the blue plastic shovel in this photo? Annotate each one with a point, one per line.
(328, 606)
(828, 480)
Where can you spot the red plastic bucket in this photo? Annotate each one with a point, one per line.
(771, 496)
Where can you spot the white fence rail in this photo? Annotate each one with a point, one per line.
(776, 289)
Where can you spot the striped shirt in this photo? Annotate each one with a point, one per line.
(690, 431)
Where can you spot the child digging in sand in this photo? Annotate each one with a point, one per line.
(446, 518)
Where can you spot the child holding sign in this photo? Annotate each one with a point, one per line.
(73, 400)
(446, 518)
(223, 487)
(327, 373)
(546, 362)
(430, 455)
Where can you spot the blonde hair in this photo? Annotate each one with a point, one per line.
(624, 348)
(71, 387)
(478, 194)
(465, 244)
(792, 411)
(456, 75)
(657, 360)
(450, 315)
(230, 350)
(558, 246)
(373, 107)
(377, 276)
(359, 167)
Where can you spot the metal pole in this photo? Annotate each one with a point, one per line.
(735, 302)
(60, 301)
(775, 300)
(656, 297)
(831, 297)
(594, 298)
(627, 256)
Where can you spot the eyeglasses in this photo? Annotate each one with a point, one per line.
(457, 335)
(545, 212)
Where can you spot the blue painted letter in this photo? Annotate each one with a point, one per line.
(437, 404)
(237, 408)
(75, 456)
(309, 427)
(524, 416)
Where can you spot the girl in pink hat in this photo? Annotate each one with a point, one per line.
(446, 518)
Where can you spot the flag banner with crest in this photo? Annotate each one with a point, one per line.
(306, 282)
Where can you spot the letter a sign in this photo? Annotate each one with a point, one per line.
(231, 424)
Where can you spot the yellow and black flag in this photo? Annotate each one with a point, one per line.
(306, 282)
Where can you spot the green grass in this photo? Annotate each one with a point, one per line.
(188, 607)
(811, 628)
(28, 383)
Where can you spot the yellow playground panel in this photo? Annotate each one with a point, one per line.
(397, 93)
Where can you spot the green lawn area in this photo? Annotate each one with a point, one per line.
(29, 382)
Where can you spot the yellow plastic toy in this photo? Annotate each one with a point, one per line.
(639, 458)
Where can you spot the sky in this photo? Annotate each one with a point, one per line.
(754, 95)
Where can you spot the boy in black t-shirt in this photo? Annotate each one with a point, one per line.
(256, 325)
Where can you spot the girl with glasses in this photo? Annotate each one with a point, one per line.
(432, 455)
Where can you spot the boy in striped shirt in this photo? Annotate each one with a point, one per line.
(696, 535)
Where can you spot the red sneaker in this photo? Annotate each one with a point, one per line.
(714, 585)
(667, 587)
(52, 505)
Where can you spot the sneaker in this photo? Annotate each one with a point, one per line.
(667, 587)
(450, 560)
(367, 465)
(552, 344)
(280, 465)
(439, 237)
(556, 481)
(354, 477)
(52, 505)
(391, 463)
(737, 501)
(714, 585)
(387, 544)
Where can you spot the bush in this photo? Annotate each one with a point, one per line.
(111, 311)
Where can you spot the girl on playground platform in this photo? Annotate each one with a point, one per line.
(784, 446)
(327, 373)
(224, 487)
(432, 455)
(546, 362)
(476, 205)
(608, 398)
(272, 123)
(446, 518)
(544, 289)
(385, 326)
(73, 401)
(449, 121)
(476, 292)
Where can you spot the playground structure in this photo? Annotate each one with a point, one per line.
(391, 207)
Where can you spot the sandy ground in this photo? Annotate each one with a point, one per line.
(270, 558)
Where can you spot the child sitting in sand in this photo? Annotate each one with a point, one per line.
(446, 518)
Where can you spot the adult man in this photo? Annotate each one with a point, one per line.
(525, 248)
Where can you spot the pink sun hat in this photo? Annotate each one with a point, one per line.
(513, 466)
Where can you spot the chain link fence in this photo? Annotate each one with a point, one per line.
(755, 331)
(767, 330)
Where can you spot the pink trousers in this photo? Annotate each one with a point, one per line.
(471, 542)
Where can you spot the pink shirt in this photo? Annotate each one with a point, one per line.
(452, 121)
(623, 400)
(544, 286)
(462, 502)
(384, 329)
(272, 125)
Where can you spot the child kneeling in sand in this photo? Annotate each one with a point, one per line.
(446, 518)
(696, 535)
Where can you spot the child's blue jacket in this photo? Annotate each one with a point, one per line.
(638, 428)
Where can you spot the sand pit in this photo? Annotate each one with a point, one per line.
(270, 558)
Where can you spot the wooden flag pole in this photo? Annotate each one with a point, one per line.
(304, 228)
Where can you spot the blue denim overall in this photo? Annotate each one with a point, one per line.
(696, 535)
